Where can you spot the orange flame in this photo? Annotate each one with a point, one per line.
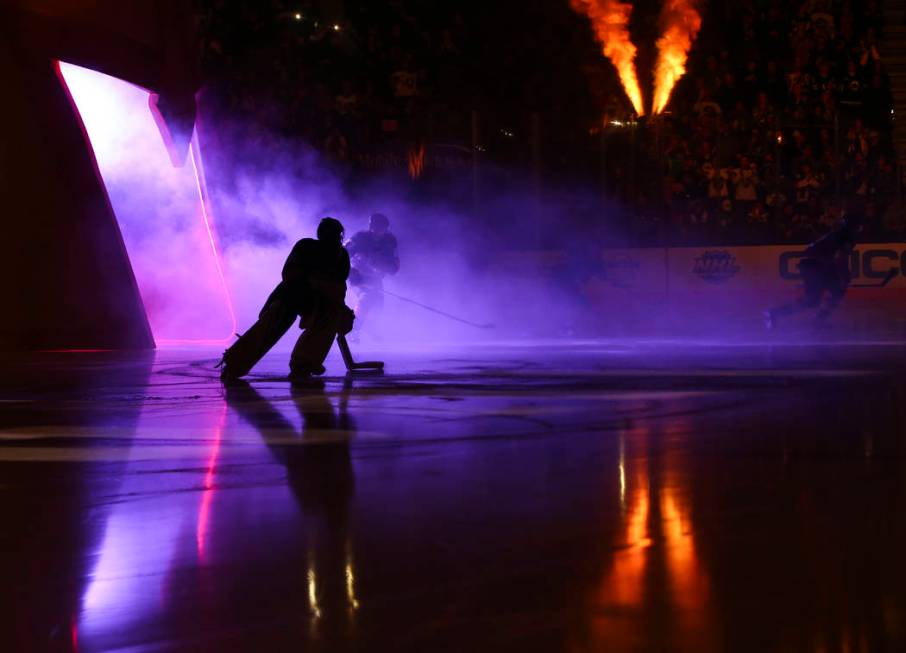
(681, 24)
(416, 161)
(610, 20)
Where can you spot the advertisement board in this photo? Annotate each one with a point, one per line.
(706, 288)
(630, 274)
(768, 265)
(740, 282)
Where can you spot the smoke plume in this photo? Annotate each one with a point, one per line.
(205, 276)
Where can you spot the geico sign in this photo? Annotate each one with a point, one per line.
(866, 263)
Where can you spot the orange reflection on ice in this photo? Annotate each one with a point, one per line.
(622, 591)
(688, 582)
(625, 580)
(654, 563)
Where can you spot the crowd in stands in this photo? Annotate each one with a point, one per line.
(344, 84)
(782, 122)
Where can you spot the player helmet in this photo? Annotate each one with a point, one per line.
(330, 229)
(379, 222)
(852, 223)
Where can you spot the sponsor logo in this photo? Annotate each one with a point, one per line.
(716, 266)
(873, 264)
(620, 270)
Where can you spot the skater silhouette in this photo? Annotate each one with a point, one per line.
(825, 275)
(374, 256)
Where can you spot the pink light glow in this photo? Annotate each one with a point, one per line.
(198, 170)
(201, 530)
(162, 212)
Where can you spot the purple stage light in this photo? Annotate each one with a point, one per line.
(162, 210)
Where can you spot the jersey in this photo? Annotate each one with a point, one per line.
(826, 263)
(374, 254)
(309, 257)
(839, 241)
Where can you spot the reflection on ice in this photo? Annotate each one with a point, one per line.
(655, 544)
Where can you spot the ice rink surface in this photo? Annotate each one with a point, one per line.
(596, 495)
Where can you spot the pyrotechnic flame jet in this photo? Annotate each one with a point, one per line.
(681, 25)
(610, 20)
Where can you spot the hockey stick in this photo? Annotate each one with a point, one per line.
(351, 365)
(487, 325)
(887, 279)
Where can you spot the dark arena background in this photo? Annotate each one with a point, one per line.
(625, 373)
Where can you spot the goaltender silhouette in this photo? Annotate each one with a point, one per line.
(313, 288)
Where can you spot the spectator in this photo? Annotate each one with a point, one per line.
(807, 185)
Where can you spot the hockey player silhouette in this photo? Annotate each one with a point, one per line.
(374, 256)
(313, 287)
(825, 275)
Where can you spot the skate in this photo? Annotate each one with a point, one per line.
(305, 380)
(821, 322)
(226, 374)
(303, 373)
